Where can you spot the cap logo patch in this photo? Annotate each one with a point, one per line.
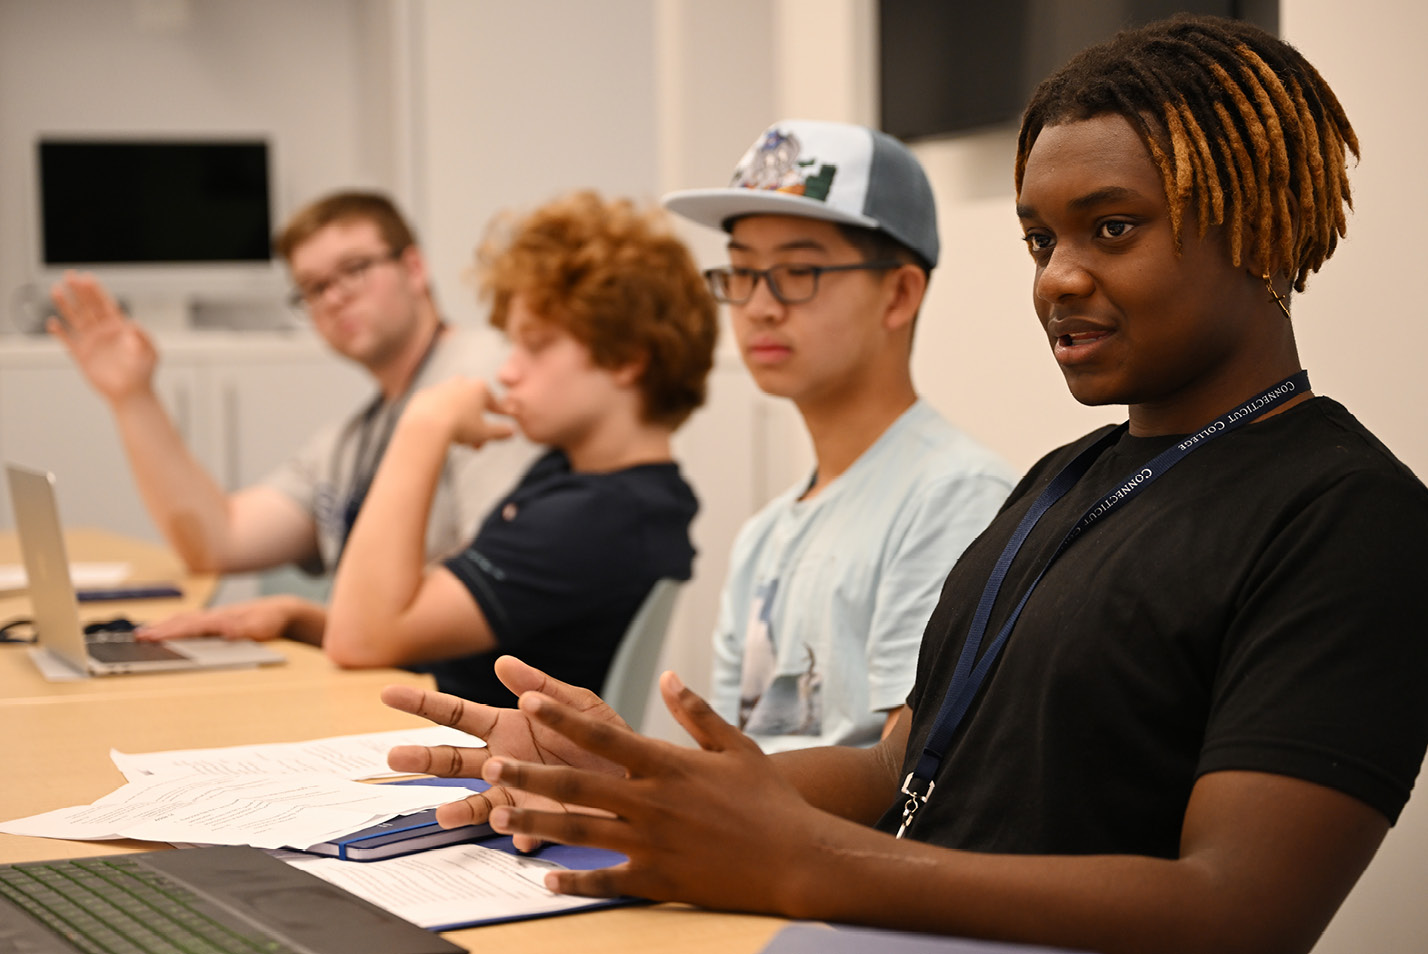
(773, 165)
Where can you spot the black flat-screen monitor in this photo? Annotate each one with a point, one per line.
(953, 66)
(153, 201)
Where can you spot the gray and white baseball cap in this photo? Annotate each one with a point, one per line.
(838, 172)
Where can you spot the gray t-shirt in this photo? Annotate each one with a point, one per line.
(323, 476)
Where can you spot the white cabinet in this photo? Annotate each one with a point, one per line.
(243, 401)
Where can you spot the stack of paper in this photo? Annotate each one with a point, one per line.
(267, 796)
(462, 885)
(271, 796)
(265, 811)
(346, 756)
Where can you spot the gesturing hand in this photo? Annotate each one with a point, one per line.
(507, 733)
(113, 353)
(716, 826)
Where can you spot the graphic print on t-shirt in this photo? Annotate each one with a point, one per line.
(770, 703)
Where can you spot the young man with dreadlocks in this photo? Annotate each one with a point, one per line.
(1171, 699)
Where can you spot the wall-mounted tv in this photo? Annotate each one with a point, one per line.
(953, 66)
(153, 201)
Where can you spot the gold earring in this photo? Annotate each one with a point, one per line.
(1275, 296)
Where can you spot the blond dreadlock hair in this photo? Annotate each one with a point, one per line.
(1244, 130)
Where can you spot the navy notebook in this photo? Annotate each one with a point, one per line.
(411, 836)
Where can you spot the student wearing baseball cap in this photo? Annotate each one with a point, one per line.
(832, 238)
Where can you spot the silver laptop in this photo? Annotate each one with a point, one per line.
(55, 608)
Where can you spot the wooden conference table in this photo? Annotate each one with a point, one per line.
(55, 739)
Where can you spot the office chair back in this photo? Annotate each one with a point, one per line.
(632, 673)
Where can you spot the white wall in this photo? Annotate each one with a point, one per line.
(504, 127)
(1363, 333)
(288, 71)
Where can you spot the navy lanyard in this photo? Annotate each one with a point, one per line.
(970, 672)
(367, 459)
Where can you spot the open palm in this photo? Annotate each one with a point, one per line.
(115, 355)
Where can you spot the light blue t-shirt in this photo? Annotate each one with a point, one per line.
(826, 599)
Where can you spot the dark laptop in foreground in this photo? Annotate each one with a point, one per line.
(55, 607)
(194, 900)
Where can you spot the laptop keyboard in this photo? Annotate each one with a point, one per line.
(116, 906)
(120, 646)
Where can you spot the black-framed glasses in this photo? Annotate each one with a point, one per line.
(789, 284)
(348, 278)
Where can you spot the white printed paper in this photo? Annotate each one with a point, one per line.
(346, 756)
(265, 811)
(458, 884)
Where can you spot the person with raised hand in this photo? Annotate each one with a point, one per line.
(361, 278)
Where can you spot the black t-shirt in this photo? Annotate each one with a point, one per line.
(561, 565)
(1258, 607)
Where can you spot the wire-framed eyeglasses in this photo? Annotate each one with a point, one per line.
(789, 284)
(348, 278)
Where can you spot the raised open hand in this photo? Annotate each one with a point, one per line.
(115, 355)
